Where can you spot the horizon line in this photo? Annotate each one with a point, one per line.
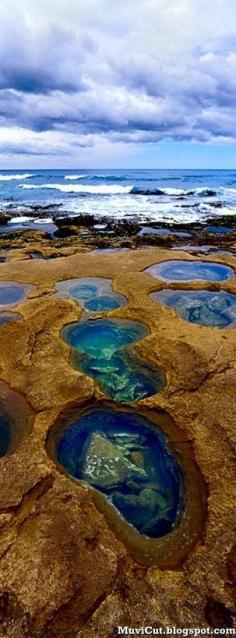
(144, 168)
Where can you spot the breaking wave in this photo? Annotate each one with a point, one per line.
(99, 189)
(175, 192)
(75, 177)
(116, 189)
(17, 176)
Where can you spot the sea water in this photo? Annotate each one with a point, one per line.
(179, 196)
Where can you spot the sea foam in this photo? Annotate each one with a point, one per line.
(75, 177)
(99, 189)
(9, 178)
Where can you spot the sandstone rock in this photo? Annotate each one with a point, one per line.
(63, 571)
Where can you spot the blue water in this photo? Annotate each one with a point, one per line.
(101, 351)
(179, 270)
(8, 317)
(95, 294)
(149, 195)
(5, 435)
(217, 309)
(123, 456)
(12, 293)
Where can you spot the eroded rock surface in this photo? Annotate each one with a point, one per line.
(63, 572)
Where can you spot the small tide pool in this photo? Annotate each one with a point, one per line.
(143, 476)
(124, 457)
(12, 293)
(39, 255)
(186, 270)
(212, 309)
(95, 294)
(16, 419)
(102, 349)
(8, 317)
(5, 435)
(150, 230)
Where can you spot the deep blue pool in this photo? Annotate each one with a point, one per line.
(128, 459)
(5, 435)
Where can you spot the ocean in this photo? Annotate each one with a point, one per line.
(179, 196)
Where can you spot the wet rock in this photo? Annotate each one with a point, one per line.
(66, 231)
(79, 220)
(4, 218)
(106, 464)
(137, 458)
(218, 615)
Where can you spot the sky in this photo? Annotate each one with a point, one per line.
(118, 83)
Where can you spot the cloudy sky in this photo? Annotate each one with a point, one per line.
(99, 83)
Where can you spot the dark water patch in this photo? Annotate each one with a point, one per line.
(16, 419)
(38, 255)
(12, 293)
(221, 230)
(102, 349)
(204, 192)
(5, 435)
(149, 192)
(142, 474)
(95, 294)
(179, 270)
(218, 615)
(211, 309)
(8, 317)
(149, 230)
(160, 192)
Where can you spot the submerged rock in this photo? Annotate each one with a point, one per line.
(120, 454)
(100, 348)
(210, 309)
(106, 464)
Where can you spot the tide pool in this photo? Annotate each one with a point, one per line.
(186, 270)
(5, 435)
(95, 294)
(123, 456)
(213, 309)
(102, 350)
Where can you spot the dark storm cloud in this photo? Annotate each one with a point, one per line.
(125, 73)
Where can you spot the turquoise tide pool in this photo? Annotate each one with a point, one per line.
(102, 350)
(95, 294)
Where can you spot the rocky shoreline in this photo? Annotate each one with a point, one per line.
(86, 232)
(65, 572)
